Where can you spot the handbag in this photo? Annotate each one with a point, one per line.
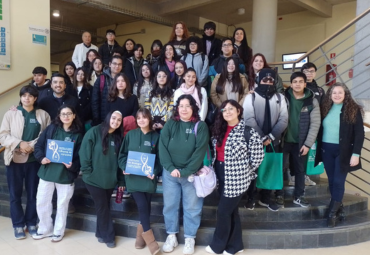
(211, 113)
(205, 181)
(270, 172)
(310, 167)
(19, 157)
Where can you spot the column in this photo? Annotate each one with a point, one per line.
(264, 24)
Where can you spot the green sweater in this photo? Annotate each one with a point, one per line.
(135, 140)
(180, 149)
(331, 125)
(295, 107)
(57, 172)
(99, 170)
(31, 128)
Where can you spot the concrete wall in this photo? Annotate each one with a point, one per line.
(24, 54)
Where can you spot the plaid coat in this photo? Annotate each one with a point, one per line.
(242, 158)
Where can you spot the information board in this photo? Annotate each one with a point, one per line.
(5, 34)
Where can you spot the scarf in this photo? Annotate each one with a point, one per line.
(191, 91)
(267, 92)
(170, 65)
(156, 53)
(209, 38)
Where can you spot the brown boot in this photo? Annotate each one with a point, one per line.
(139, 243)
(150, 242)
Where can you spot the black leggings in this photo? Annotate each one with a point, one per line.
(143, 202)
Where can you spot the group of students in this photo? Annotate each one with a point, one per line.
(170, 105)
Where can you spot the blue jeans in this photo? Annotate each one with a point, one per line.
(336, 177)
(173, 189)
(16, 174)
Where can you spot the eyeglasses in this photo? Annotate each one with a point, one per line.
(309, 71)
(193, 44)
(227, 45)
(116, 64)
(68, 114)
(268, 79)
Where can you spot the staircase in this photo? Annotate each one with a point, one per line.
(291, 227)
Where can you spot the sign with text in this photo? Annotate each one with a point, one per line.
(59, 151)
(5, 34)
(140, 163)
(39, 39)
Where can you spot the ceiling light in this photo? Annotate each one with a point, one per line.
(241, 11)
(56, 13)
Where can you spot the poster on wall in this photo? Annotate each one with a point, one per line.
(39, 34)
(5, 34)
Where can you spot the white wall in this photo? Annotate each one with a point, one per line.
(24, 55)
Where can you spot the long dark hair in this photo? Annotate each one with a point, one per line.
(195, 116)
(196, 84)
(76, 126)
(158, 42)
(220, 126)
(125, 51)
(113, 91)
(141, 79)
(350, 107)
(244, 47)
(70, 63)
(162, 56)
(87, 55)
(146, 114)
(166, 92)
(84, 81)
(91, 70)
(117, 134)
(236, 81)
(251, 73)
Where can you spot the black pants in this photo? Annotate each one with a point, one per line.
(143, 201)
(104, 223)
(292, 150)
(228, 232)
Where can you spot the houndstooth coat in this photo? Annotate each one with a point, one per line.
(241, 160)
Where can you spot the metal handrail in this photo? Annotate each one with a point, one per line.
(341, 30)
(17, 85)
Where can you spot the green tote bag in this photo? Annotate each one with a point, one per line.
(310, 167)
(270, 172)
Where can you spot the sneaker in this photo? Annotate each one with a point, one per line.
(292, 181)
(273, 207)
(280, 201)
(301, 201)
(57, 238)
(250, 204)
(227, 253)
(32, 230)
(126, 194)
(308, 181)
(100, 240)
(189, 246)
(263, 204)
(19, 233)
(111, 245)
(38, 236)
(160, 179)
(209, 250)
(170, 244)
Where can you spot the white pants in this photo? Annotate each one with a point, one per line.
(44, 206)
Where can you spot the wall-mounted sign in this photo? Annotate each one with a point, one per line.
(5, 34)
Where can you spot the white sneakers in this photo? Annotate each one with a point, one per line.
(189, 246)
(170, 244)
(307, 181)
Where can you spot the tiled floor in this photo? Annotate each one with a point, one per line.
(84, 243)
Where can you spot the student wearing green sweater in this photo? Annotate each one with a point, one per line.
(100, 171)
(339, 144)
(60, 176)
(181, 152)
(143, 139)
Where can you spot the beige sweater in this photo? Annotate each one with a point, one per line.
(11, 131)
(218, 99)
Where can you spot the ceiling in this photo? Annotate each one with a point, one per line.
(78, 16)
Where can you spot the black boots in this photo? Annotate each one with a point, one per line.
(340, 214)
(333, 213)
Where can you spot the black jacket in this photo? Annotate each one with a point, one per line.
(351, 140)
(215, 50)
(130, 70)
(84, 101)
(318, 91)
(44, 90)
(157, 66)
(106, 51)
(51, 105)
(41, 145)
(99, 97)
